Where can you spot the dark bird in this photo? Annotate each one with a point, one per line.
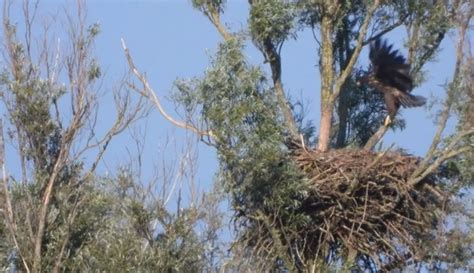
(390, 75)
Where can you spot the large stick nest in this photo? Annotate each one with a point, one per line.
(362, 204)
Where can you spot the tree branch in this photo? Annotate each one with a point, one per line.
(10, 221)
(215, 19)
(275, 64)
(382, 32)
(360, 43)
(451, 90)
(431, 168)
(271, 52)
(156, 101)
(66, 143)
(375, 138)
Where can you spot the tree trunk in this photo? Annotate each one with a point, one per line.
(325, 129)
(327, 79)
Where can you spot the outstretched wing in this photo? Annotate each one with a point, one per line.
(390, 66)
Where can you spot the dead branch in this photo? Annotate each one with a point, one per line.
(384, 31)
(156, 101)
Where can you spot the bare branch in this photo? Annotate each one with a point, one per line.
(360, 43)
(432, 167)
(375, 138)
(383, 32)
(451, 93)
(156, 101)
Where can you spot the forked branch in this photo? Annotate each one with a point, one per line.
(150, 94)
(359, 45)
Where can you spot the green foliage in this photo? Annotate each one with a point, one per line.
(232, 98)
(271, 20)
(209, 5)
(114, 230)
(135, 235)
(255, 168)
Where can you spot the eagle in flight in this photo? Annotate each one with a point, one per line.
(390, 75)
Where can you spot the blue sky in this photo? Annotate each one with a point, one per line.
(170, 40)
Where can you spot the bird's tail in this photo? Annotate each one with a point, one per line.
(409, 100)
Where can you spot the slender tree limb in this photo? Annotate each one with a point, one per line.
(274, 59)
(444, 116)
(355, 55)
(447, 153)
(383, 32)
(156, 101)
(44, 208)
(271, 52)
(375, 138)
(214, 17)
(213, 14)
(10, 221)
(437, 137)
(431, 168)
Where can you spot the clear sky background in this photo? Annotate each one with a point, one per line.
(170, 40)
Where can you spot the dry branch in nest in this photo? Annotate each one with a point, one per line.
(360, 204)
